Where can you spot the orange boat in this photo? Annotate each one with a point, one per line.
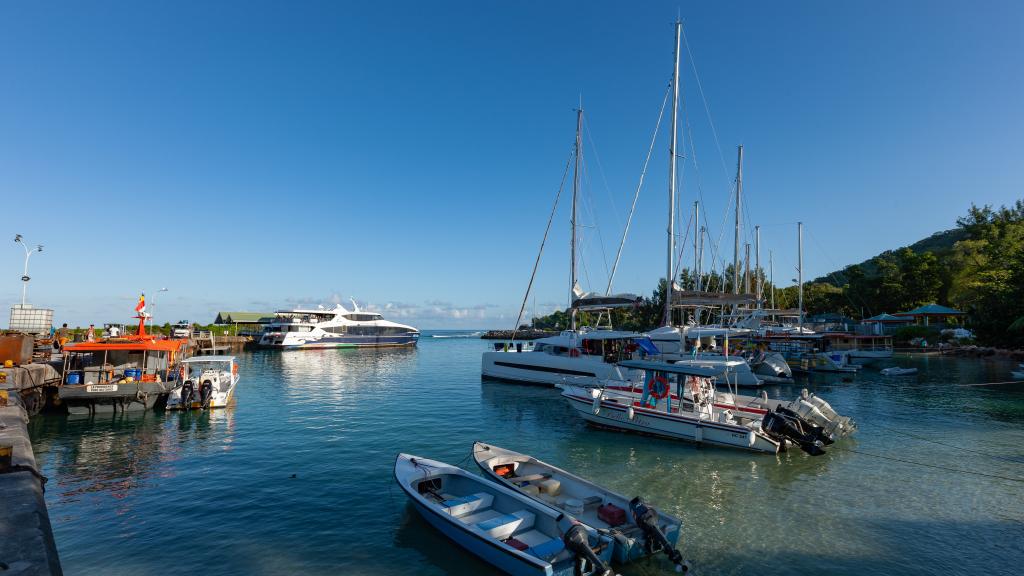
(133, 372)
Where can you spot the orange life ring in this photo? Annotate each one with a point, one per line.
(657, 387)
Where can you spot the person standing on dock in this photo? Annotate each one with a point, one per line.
(62, 337)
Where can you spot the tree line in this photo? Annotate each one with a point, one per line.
(978, 268)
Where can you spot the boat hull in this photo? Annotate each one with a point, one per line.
(628, 547)
(493, 555)
(342, 342)
(112, 397)
(546, 369)
(675, 426)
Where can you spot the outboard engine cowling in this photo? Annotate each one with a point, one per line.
(808, 426)
(647, 519)
(779, 426)
(188, 392)
(205, 393)
(577, 541)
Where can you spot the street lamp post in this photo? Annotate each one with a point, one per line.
(28, 254)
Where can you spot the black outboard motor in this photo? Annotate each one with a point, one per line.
(782, 427)
(205, 393)
(188, 392)
(647, 519)
(813, 429)
(577, 541)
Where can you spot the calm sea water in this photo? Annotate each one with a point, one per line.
(297, 477)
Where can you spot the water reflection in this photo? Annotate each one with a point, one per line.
(115, 454)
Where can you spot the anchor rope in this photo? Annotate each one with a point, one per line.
(917, 437)
(926, 465)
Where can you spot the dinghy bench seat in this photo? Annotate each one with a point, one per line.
(502, 526)
(468, 504)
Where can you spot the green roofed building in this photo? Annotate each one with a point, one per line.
(243, 317)
(931, 313)
(244, 322)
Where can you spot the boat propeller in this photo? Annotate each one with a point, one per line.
(577, 540)
(646, 518)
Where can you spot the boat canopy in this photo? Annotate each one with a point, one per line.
(595, 301)
(216, 358)
(701, 298)
(684, 369)
(157, 345)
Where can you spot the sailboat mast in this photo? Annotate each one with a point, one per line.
(771, 276)
(800, 271)
(757, 264)
(696, 244)
(575, 194)
(672, 180)
(736, 245)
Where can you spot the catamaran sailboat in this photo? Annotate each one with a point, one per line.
(335, 328)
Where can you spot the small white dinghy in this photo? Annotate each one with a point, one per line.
(638, 529)
(204, 382)
(506, 529)
(897, 371)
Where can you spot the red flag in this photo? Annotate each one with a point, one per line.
(141, 306)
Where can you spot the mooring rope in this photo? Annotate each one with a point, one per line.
(916, 437)
(936, 466)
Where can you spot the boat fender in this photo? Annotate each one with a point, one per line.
(597, 404)
(630, 413)
(764, 396)
(751, 438)
(646, 518)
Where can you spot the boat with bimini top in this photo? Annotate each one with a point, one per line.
(692, 413)
(204, 382)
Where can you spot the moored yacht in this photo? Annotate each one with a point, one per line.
(335, 328)
(581, 357)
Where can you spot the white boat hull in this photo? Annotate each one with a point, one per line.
(547, 369)
(676, 426)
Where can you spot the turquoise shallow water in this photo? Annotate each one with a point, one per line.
(214, 493)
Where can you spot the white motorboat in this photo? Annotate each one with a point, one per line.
(205, 382)
(575, 356)
(692, 416)
(808, 406)
(335, 328)
(506, 529)
(637, 529)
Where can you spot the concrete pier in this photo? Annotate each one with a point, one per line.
(26, 539)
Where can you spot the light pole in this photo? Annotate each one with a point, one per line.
(28, 254)
(154, 304)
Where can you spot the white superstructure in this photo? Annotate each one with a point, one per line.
(335, 328)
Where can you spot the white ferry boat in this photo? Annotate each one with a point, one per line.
(335, 328)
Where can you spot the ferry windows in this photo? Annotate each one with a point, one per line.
(362, 317)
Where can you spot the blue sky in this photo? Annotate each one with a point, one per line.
(254, 156)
